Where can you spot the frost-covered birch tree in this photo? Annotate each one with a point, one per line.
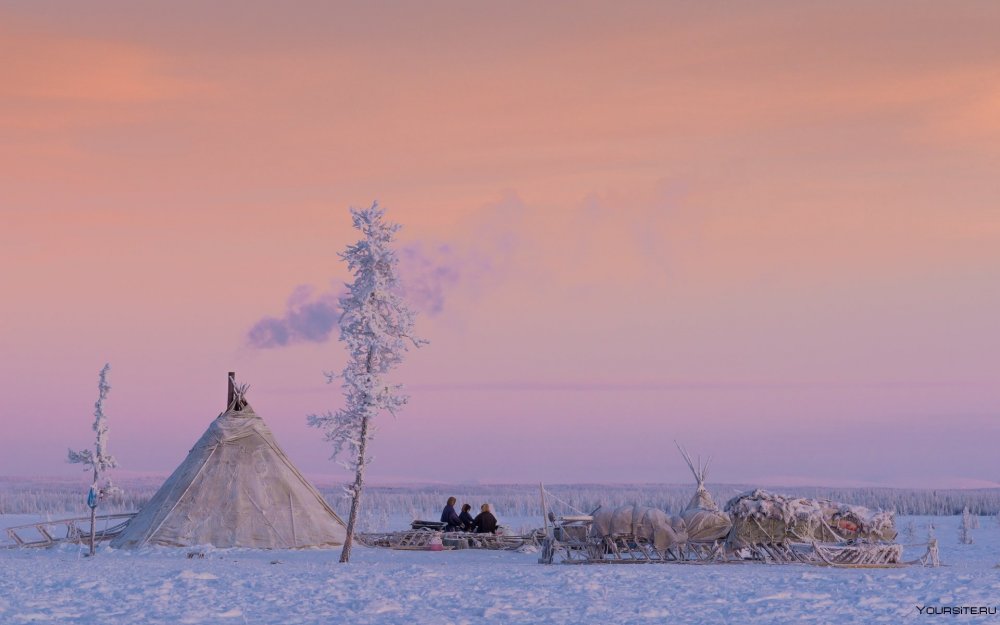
(98, 458)
(965, 529)
(377, 327)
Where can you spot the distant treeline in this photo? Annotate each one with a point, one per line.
(525, 500)
(63, 496)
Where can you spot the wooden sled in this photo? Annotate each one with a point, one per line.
(77, 530)
(426, 535)
(848, 555)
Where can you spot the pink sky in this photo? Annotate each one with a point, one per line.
(771, 231)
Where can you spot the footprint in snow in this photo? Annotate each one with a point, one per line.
(775, 597)
(382, 607)
(205, 617)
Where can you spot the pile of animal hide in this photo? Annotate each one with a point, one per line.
(760, 517)
(659, 528)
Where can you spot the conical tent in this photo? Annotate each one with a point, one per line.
(704, 520)
(236, 488)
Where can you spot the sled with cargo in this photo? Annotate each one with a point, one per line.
(757, 526)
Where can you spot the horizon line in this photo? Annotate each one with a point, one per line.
(329, 480)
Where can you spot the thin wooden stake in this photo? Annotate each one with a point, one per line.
(545, 512)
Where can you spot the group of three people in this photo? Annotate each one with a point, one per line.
(484, 523)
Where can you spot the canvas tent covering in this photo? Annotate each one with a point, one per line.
(760, 517)
(655, 525)
(236, 488)
(702, 518)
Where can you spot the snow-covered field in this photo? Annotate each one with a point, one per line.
(159, 585)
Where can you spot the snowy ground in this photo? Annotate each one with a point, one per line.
(160, 585)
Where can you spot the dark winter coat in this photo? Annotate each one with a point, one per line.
(449, 516)
(467, 521)
(485, 523)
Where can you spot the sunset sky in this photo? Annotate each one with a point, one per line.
(768, 230)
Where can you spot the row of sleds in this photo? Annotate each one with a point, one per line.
(637, 534)
(753, 527)
(430, 536)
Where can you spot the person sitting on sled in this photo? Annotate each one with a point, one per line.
(467, 521)
(450, 518)
(485, 522)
